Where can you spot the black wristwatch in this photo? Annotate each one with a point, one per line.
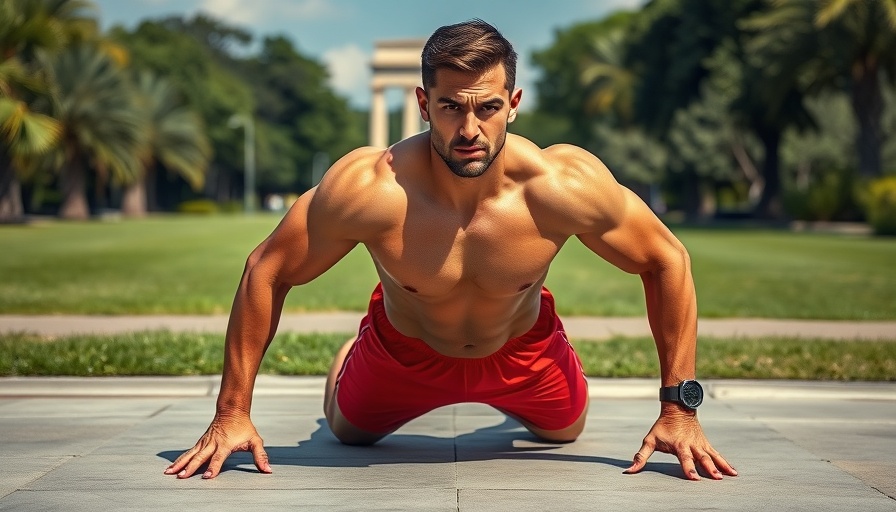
(688, 393)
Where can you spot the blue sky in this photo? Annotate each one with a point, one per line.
(341, 33)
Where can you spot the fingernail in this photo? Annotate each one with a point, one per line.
(182, 472)
(207, 474)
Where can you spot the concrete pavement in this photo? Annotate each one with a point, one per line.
(79, 444)
(102, 443)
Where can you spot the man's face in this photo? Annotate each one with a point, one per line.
(468, 116)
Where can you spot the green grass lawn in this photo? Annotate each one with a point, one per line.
(193, 264)
(165, 353)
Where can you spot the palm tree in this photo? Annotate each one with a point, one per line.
(610, 84)
(104, 128)
(177, 141)
(829, 42)
(23, 133)
(27, 27)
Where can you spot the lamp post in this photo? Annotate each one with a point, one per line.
(245, 121)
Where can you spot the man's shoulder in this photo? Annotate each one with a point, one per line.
(570, 183)
(561, 168)
(359, 187)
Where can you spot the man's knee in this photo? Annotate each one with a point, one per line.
(345, 431)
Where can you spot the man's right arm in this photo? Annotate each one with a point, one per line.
(310, 239)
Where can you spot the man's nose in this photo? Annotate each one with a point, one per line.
(470, 129)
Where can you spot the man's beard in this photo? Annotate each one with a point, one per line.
(466, 168)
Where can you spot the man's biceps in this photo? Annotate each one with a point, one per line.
(315, 260)
(615, 247)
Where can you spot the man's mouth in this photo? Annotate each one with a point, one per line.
(470, 151)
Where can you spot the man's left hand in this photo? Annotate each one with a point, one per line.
(678, 432)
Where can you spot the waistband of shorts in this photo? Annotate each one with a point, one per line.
(535, 339)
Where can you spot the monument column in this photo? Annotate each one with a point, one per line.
(410, 123)
(379, 119)
(395, 64)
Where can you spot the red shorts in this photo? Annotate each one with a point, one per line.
(388, 378)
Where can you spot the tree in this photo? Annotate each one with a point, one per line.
(609, 84)
(299, 113)
(176, 142)
(104, 130)
(832, 43)
(560, 90)
(27, 27)
(214, 92)
(23, 133)
(674, 45)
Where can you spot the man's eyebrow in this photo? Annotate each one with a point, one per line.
(493, 101)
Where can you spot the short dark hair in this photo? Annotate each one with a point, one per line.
(471, 46)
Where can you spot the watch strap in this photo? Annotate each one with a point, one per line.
(670, 393)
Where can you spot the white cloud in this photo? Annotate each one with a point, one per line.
(349, 72)
(307, 9)
(247, 12)
(237, 11)
(630, 5)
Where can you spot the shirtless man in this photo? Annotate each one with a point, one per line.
(462, 223)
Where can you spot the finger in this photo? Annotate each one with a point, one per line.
(215, 463)
(640, 458)
(199, 459)
(181, 461)
(260, 456)
(723, 464)
(687, 465)
(709, 466)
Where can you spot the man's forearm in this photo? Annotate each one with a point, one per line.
(252, 325)
(672, 314)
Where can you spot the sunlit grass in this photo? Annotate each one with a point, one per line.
(166, 353)
(184, 265)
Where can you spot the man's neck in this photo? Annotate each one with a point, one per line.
(466, 193)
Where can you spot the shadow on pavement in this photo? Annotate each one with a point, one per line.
(496, 442)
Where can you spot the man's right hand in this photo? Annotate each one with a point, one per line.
(226, 435)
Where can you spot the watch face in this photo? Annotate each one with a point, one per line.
(691, 394)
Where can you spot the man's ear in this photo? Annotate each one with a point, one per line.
(515, 99)
(423, 103)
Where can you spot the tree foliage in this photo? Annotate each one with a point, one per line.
(734, 98)
(103, 125)
(28, 27)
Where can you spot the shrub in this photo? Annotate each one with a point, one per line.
(231, 206)
(880, 205)
(831, 197)
(198, 207)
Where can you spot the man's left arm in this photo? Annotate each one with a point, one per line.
(631, 237)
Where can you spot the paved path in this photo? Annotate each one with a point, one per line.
(86, 444)
(101, 444)
(577, 327)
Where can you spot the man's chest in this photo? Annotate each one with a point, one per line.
(500, 249)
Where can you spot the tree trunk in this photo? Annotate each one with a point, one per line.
(74, 192)
(11, 208)
(150, 181)
(133, 204)
(697, 207)
(868, 105)
(770, 205)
